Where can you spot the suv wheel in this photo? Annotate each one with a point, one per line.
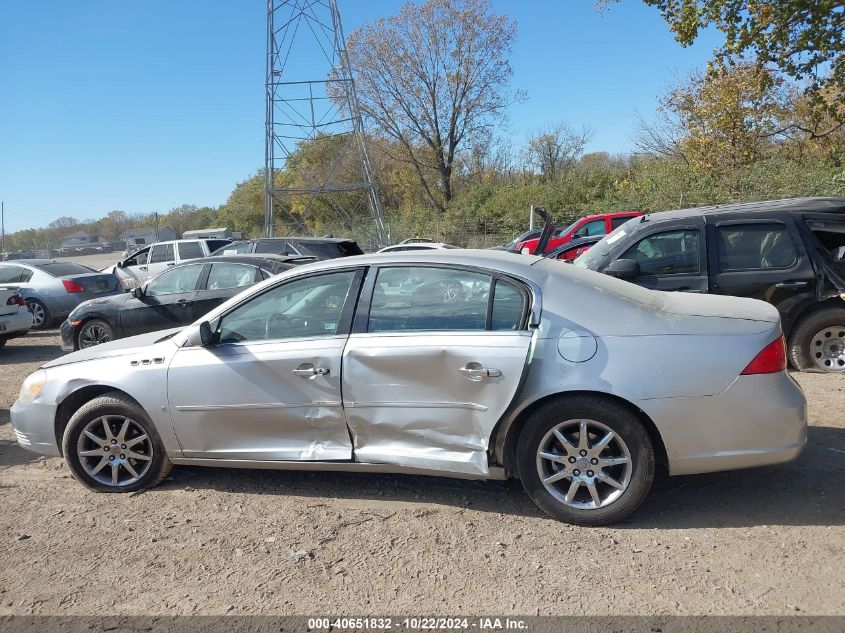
(585, 460)
(818, 342)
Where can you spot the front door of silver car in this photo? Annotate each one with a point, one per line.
(269, 387)
(435, 359)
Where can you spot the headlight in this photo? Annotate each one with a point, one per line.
(32, 386)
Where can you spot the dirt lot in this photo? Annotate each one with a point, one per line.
(766, 541)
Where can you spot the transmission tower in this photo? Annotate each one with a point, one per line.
(304, 34)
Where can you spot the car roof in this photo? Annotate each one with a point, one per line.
(256, 259)
(36, 262)
(788, 205)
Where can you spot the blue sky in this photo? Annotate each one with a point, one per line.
(143, 106)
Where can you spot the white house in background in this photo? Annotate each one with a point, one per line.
(138, 238)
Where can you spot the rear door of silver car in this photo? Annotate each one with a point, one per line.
(436, 356)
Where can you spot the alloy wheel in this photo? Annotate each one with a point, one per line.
(93, 334)
(114, 450)
(827, 348)
(38, 313)
(584, 464)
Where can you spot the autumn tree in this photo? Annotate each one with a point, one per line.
(803, 40)
(554, 149)
(718, 121)
(431, 78)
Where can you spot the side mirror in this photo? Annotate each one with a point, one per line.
(119, 264)
(623, 269)
(138, 292)
(200, 335)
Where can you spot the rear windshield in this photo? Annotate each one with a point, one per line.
(213, 245)
(63, 269)
(328, 250)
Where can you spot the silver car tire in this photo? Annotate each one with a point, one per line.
(41, 318)
(111, 445)
(585, 460)
(817, 342)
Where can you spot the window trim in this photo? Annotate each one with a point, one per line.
(702, 250)
(530, 299)
(344, 323)
(717, 264)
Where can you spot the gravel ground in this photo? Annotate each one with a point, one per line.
(764, 541)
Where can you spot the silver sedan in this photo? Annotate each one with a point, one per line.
(477, 364)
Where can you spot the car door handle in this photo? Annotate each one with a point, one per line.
(474, 371)
(792, 284)
(184, 302)
(309, 371)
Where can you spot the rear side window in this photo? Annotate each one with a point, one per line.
(190, 250)
(668, 253)
(754, 247)
(62, 269)
(419, 298)
(230, 276)
(508, 307)
(162, 253)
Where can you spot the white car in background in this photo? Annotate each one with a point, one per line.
(151, 260)
(15, 317)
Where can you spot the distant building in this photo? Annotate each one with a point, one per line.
(138, 238)
(82, 239)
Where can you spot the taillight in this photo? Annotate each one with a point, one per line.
(73, 286)
(16, 300)
(770, 360)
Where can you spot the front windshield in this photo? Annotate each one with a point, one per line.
(594, 257)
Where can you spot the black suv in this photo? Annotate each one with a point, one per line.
(319, 247)
(787, 252)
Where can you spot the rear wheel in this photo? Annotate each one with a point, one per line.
(818, 342)
(585, 460)
(94, 332)
(40, 314)
(111, 445)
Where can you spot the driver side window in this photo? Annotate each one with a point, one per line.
(175, 280)
(303, 308)
(668, 253)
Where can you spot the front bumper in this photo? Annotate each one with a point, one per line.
(33, 423)
(68, 333)
(759, 420)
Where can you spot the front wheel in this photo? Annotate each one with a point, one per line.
(585, 460)
(111, 445)
(818, 342)
(94, 332)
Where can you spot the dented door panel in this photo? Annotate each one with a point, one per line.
(430, 399)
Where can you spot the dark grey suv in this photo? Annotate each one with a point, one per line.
(786, 252)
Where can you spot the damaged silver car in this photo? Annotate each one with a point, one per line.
(476, 364)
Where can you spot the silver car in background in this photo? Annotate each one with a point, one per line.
(476, 364)
(52, 288)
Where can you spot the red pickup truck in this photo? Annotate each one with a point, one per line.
(600, 224)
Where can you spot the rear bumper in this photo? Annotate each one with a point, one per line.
(33, 426)
(758, 420)
(16, 324)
